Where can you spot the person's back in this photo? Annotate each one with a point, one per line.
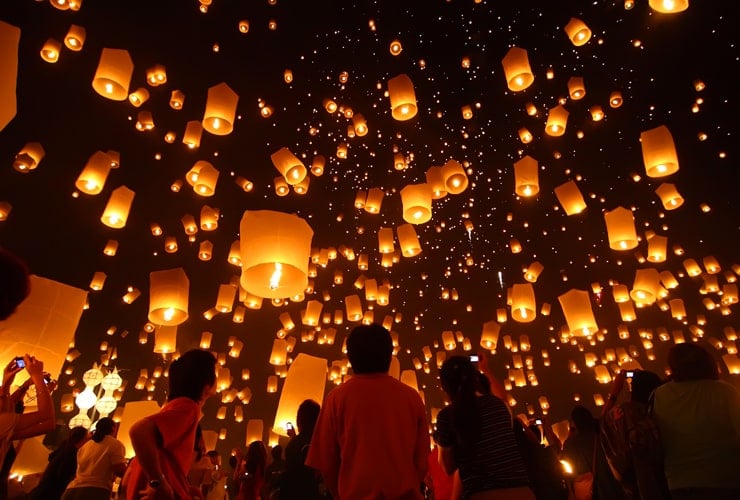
(61, 468)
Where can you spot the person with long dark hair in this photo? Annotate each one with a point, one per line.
(475, 436)
(62, 467)
(98, 461)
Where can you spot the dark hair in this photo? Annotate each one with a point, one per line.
(369, 349)
(191, 373)
(583, 419)
(643, 384)
(307, 415)
(690, 361)
(77, 435)
(103, 427)
(15, 283)
(256, 457)
(460, 380)
(276, 452)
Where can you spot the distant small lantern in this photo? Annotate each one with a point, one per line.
(75, 38)
(117, 209)
(408, 240)
(113, 74)
(205, 250)
(657, 248)
(395, 47)
(156, 75)
(570, 198)
(374, 200)
(353, 306)
(659, 152)
(517, 71)
(557, 119)
(329, 105)
(669, 196)
(193, 132)
(385, 240)
(455, 178)
(526, 177)
(576, 88)
(282, 188)
(168, 296)
(275, 250)
(292, 169)
(577, 31)
(29, 157)
(615, 99)
(288, 76)
(209, 218)
(597, 113)
(165, 339)
(646, 287)
(177, 99)
(525, 135)
(576, 307)
(523, 305)
(402, 97)
(360, 124)
(620, 226)
(317, 165)
(489, 335)
(206, 178)
(50, 50)
(620, 293)
(417, 203)
(533, 271)
(467, 112)
(138, 97)
(220, 112)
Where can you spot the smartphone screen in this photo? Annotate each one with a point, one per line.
(20, 362)
(538, 421)
(630, 374)
(474, 358)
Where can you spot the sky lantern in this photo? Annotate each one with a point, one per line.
(204, 181)
(657, 248)
(620, 227)
(292, 169)
(576, 306)
(177, 100)
(576, 88)
(9, 38)
(526, 179)
(312, 313)
(306, 379)
(165, 339)
(113, 75)
(279, 353)
(402, 97)
(456, 181)
(353, 306)
(615, 99)
(597, 113)
(678, 308)
(669, 6)
(75, 38)
(523, 306)
(517, 71)
(374, 200)
(93, 176)
(646, 287)
(156, 75)
(669, 196)
(395, 47)
(577, 31)
(408, 240)
(169, 290)
(489, 335)
(275, 250)
(117, 209)
(557, 119)
(360, 124)
(220, 112)
(658, 152)
(417, 203)
(570, 198)
(436, 182)
(225, 297)
(533, 271)
(385, 240)
(29, 157)
(50, 50)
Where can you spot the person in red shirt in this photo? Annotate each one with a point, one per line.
(164, 442)
(371, 439)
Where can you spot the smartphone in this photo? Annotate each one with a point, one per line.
(630, 374)
(20, 362)
(47, 378)
(538, 421)
(474, 358)
(289, 426)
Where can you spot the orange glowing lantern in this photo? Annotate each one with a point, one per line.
(206, 178)
(577, 31)
(669, 6)
(50, 50)
(353, 306)
(669, 196)
(306, 379)
(576, 307)
(408, 240)
(576, 88)
(177, 99)
(658, 152)
(417, 203)
(117, 209)
(165, 339)
(192, 135)
(374, 200)
(292, 169)
(620, 226)
(29, 157)
(526, 180)
(615, 99)
(436, 182)
(168, 296)
(517, 71)
(402, 97)
(557, 119)
(523, 306)
(385, 240)
(570, 198)
(360, 124)
(220, 112)
(646, 287)
(533, 271)
(75, 38)
(92, 178)
(657, 248)
(489, 335)
(456, 181)
(113, 74)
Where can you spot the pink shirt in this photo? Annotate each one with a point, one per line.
(371, 440)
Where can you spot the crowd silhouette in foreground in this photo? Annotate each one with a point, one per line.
(369, 439)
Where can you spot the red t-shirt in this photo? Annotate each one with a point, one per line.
(371, 440)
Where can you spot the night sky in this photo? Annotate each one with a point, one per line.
(671, 69)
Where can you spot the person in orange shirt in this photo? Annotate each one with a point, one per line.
(371, 439)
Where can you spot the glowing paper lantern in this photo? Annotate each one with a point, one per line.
(75, 38)
(306, 379)
(526, 177)
(669, 196)
(275, 250)
(417, 203)
(374, 200)
(620, 226)
(353, 306)
(165, 339)
(533, 271)
(168, 297)
(117, 209)
(218, 118)
(455, 179)
(657, 248)
(408, 240)
(225, 298)
(517, 71)
(113, 75)
(576, 307)
(669, 6)
(312, 313)
(255, 430)
(658, 152)
(290, 167)
(402, 97)
(489, 335)
(205, 180)
(50, 50)
(646, 287)
(570, 198)
(92, 178)
(615, 99)
(9, 38)
(138, 97)
(385, 240)
(678, 309)
(177, 100)
(29, 157)
(576, 89)
(577, 31)
(436, 183)
(523, 306)
(557, 119)
(360, 124)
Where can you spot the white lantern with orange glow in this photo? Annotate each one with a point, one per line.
(75, 38)
(306, 379)
(165, 339)
(658, 152)
(290, 167)
(220, 112)
(29, 157)
(577, 31)
(408, 240)
(657, 248)
(620, 226)
(385, 240)
(533, 271)
(116, 211)
(576, 307)
(113, 74)
(417, 203)
(523, 305)
(93, 176)
(489, 335)
(646, 287)
(570, 198)
(436, 182)
(207, 177)
(455, 178)
(517, 71)
(576, 88)
(168, 297)
(275, 250)
(526, 177)
(374, 200)
(557, 119)
(669, 196)
(402, 97)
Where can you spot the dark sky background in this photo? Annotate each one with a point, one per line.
(653, 59)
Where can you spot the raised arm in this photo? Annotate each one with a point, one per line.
(40, 421)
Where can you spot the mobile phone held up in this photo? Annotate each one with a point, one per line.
(538, 421)
(20, 362)
(629, 374)
(289, 426)
(474, 358)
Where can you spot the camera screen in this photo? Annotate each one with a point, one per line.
(474, 358)
(20, 363)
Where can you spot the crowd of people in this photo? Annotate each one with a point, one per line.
(370, 438)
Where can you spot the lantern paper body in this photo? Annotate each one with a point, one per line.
(255, 430)
(275, 249)
(578, 314)
(306, 380)
(646, 287)
(116, 211)
(436, 182)
(408, 240)
(657, 248)
(218, 118)
(577, 31)
(290, 167)
(75, 38)
(668, 6)
(113, 74)
(669, 196)
(658, 152)
(92, 178)
(207, 177)
(134, 411)
(570, 198)
(402, 97)
(576, 89)
(489, 335)
(29, 157)
(620, 226)
(526, 178)
(165, 339)
(557, 119)
(9, 38)
(523, 306)
(517, 71)
(168, 297)
(456, 181)
(417, 203)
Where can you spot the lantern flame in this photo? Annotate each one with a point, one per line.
(276, 275)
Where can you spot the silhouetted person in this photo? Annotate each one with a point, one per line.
(61, 468)
(299, 481)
